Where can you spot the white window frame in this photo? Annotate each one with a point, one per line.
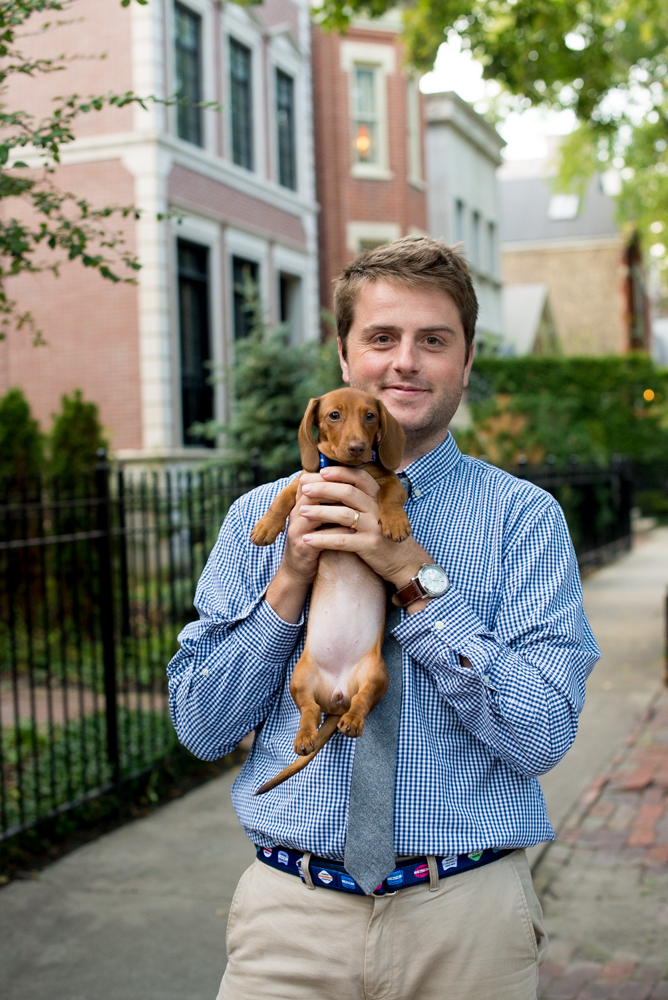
(372, 232)
(240, 25)
(283, 55)
(414, 143)
(208, 234)
(205, 10)
(382, 59)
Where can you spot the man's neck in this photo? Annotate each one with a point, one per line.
(416, 447)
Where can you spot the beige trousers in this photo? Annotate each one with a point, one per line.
(479, 936)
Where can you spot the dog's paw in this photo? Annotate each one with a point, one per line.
(351, 724)
(305, 741)
(395, 525)
(266, 531)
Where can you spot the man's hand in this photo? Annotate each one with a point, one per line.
(356, 490)
(287, 591)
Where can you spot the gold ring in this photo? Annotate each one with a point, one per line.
(356, 518)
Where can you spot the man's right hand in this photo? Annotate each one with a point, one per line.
(287, 592)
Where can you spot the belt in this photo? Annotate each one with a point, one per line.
(416, 871)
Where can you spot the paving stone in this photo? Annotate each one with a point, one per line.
(660, 991)
(631, 991)
(596, 991)
(616, 970)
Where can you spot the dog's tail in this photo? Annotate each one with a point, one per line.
(325, 733)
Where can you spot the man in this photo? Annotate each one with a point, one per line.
(491, 656)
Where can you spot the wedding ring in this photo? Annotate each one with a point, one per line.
(356, 518)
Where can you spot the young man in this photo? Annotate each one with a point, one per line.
(490, 657)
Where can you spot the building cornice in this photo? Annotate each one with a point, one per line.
(449, 108)
(567, 243)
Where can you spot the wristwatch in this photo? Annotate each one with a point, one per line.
(431, 581)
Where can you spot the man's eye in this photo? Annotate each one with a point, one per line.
(382, 338)
(370, 417)
(335, 415)
(433, 341)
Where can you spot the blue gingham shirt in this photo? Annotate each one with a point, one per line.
(471, 741)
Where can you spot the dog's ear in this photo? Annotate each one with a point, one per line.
(391, 438)
(307, 446)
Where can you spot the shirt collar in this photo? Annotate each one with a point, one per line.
(429, 469)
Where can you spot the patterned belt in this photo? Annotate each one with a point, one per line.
(331, 875)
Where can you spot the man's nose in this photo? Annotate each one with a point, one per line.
(356, 448)
(404, 357)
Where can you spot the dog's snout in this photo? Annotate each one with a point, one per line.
(356, 448)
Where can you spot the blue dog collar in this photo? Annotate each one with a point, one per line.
(324, 461)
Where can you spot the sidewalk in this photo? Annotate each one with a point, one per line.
(604, 883)
(140, 913)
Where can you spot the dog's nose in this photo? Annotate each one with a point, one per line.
(356, 448)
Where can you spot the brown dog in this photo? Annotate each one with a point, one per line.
(341, 672)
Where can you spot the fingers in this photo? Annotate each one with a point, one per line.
(343, 493)
(345, 516)
(355, 477)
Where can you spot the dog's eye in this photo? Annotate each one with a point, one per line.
(335, 415)
(370, 417)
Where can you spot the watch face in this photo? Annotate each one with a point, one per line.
(434, 580)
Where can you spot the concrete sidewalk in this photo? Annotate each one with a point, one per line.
(140, 913)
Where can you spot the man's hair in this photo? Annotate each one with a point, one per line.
(412, 261)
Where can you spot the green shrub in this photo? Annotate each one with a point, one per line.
(76, 436)
(21, 443)
(594, 407)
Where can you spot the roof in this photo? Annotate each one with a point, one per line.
(447, 107)
(525, 204)
(523, 307)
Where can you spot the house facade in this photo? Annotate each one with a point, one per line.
(369, 144)
(463, 155)
(225, 193)
(573, 247)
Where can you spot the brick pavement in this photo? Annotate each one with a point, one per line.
(604, 882)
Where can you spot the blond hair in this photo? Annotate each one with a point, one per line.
(412, 261)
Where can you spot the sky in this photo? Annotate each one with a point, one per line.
(525, 133)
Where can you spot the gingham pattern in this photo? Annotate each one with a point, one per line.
(471, 741)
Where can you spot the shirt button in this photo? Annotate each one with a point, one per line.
(417, 492)
(439, 625)
(205, 672)
(485, 677)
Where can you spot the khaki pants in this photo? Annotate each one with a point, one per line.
(479, 936)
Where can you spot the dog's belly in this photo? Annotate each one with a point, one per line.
(347, 615)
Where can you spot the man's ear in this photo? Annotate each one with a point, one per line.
(345, 374)
(467, 367)
(392, 439)
(307, 446)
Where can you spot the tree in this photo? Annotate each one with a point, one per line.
(57, 220)
(21, 444)
(607, 60)
(75, 438)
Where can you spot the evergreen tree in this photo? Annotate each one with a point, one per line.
(21, 443)
(75, 438)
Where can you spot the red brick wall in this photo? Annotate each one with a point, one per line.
(90, 325)
(90, 29)
(344, 198)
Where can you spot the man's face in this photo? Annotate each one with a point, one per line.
(406, 346)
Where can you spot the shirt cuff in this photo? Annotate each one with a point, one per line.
(267, 636)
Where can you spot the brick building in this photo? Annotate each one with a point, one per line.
(240, 179)
(369, 143)
(574, 248)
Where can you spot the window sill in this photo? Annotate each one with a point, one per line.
(369, 172)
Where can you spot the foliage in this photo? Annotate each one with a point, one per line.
(607, 60)
(590, 407)
(58, 220)
(21, 444)
(272, 381)
(76, 436)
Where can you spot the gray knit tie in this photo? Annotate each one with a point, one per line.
(369, 854)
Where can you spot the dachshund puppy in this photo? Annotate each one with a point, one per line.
(341, 672)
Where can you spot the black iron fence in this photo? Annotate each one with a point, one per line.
(95, 583)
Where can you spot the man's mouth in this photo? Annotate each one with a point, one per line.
(404, 390)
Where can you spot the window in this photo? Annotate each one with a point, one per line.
(242, 107)
(188, 43)
(290, 302)
(196, 393)
(491, 248)
(245, 275)
(365, 114)
(475, 238)
(563, 207)
(285, 128)
(459, 221)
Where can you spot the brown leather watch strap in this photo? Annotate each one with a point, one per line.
(413, 591)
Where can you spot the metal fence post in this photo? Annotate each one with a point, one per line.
(102, 473)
